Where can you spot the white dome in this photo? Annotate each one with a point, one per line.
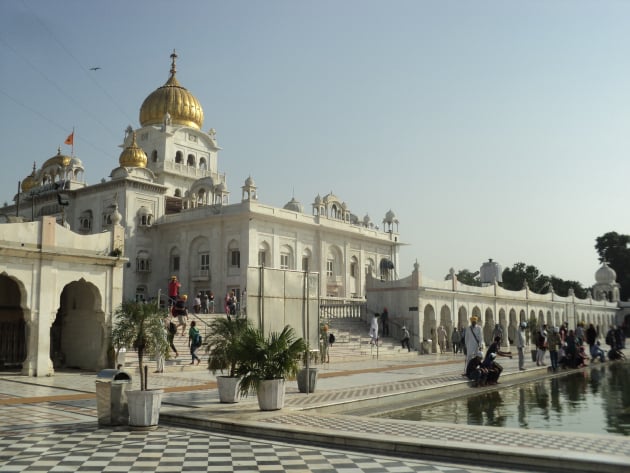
(605, 275)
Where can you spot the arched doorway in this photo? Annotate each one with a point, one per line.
(78, 334)
(13, 347)
(446, 322)
(488, 326)
(428, 327)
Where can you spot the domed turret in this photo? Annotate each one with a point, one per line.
(174, 101)
(133, 156)
(58, 160)
(294, 205)
(29, 181)
(605, 275)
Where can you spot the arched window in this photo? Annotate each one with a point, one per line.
(154, 156)
(179, 157)
(306, 259)
(143, 262)
(85, 221)
(203, 164)
(191, 160)
(286, 257)
(178, 192)
(234, 255)
(174, 260)
(264, 258)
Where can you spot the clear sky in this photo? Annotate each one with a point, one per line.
(493, 129)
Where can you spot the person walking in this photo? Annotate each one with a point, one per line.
(173, 290)
(194, 342)
(181, 312)
(204, 302)
(405, 338)
(211, 302)
(441, 336)
(455, 339)
(171, 330)
(520, 345)
(553, 344)
(374, 330)
(385, 322)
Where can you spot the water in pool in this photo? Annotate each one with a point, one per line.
(595, 400)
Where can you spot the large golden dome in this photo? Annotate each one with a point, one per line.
(133, 156)
(59, 160)
(172, 98)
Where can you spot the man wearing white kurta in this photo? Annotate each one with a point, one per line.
(472, 339)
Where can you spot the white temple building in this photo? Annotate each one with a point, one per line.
(178, 218)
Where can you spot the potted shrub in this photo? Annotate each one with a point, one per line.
(225, 354)
(267, 362)
(140, 326)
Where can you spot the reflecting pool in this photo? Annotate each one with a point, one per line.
(595, 400)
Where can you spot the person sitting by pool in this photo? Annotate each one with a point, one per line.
(493, 368)
(475, 372)
(495, 348)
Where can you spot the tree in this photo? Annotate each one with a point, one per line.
(140, 326)
(612, 248)
(514, 279)
(467, 277)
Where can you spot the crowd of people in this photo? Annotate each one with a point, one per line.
(568, 348)
(176, 322)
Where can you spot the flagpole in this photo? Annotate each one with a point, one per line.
(72, 150)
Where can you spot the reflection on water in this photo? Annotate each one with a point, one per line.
(589, 401)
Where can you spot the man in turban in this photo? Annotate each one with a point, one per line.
(472, 339)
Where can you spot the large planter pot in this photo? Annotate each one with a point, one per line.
(228, 388)
(144, 408)
(306, 383)
(270, 394)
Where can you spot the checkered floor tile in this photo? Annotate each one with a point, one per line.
(89, 448)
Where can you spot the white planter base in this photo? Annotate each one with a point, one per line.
(271, 394)
(228, 388)
(144, 409)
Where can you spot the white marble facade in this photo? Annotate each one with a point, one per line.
(180, 217)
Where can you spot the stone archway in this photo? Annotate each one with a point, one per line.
(462, 317)
(429, 327)
(488, 326)
(13, 336)
(77, 335)
(512, 326)
(446, 321)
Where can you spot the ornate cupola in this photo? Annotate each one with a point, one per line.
(173, 101)
(133, 156)
(29, 181)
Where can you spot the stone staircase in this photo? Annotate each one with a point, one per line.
(352, 343)
(182, 362)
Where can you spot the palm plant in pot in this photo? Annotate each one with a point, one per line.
(267, 362)
(225, 353)
(140, 326)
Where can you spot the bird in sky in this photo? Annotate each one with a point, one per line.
(94, 68)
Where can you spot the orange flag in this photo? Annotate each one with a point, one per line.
(70, 139)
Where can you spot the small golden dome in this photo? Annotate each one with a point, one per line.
(133, 156)
(29, 181)
(59, 160)
(174, 100)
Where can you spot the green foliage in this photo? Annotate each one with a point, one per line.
(514, 279)
(467, 277)
(223, 346)
(275, 356)
(140, 326)
(612, 248)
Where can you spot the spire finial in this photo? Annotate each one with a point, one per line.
(173, 57)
